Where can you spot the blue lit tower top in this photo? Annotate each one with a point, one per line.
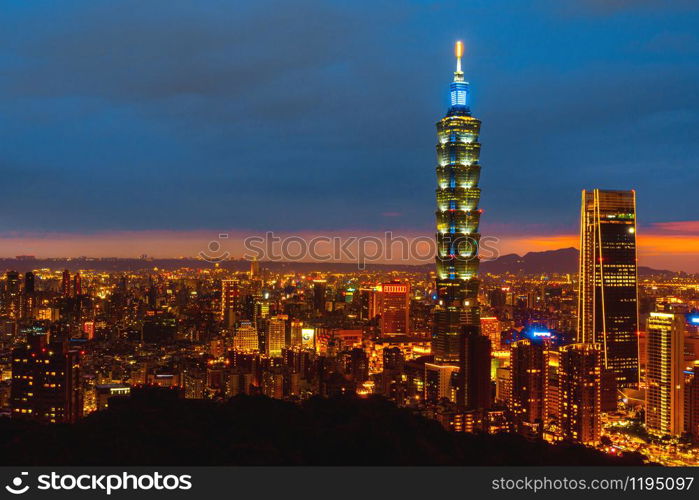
(458, 219)
(458, 90)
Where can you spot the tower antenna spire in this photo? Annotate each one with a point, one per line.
(459, 53)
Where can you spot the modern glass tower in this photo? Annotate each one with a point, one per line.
(664, 373)
(458, 217)
(607, 299)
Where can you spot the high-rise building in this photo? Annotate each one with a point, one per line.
(473, 385)
(245, 338)
(295, 337)
(552, 360)
(12, 298)
(65, 284)
(607, 301)
(392, 304)
(365, 306)
(608, 396)
(392, 385)
(458, 217)
(28, 297)
(579, 393)
(29, 282)
(254, 269)
(691, 403)
(528, 365)
(276, 335)
(77, 285)
(490, 327)
(354, 365)
(230, 302)
(319, 290)
(45, 381)
(664, 377)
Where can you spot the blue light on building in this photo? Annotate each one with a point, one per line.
(459, 94)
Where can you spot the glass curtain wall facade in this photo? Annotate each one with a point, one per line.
(608, 295)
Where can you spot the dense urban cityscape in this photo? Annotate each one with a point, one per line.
(606, 357)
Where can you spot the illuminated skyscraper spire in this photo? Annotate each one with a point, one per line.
(458, 217)
(458, 90)
(459, 53)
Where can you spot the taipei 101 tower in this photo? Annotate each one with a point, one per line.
(458, 217)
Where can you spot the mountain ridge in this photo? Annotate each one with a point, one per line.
(559, 261)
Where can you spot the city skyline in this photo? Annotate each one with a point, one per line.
(117, 151)
(555, 367)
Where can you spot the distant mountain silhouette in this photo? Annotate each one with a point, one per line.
(562, 261)
(155, 430)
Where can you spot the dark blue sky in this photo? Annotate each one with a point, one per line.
(313, 115)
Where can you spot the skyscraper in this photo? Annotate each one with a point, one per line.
(579, 393)
(230, 302)
(528, 365)
(12, 295)
(29, 296)
(392, 304)
(276, 335)
(458, 217)
(65, 283)
(691, 403)
(474, 390)
(607, 301)
(664, 373)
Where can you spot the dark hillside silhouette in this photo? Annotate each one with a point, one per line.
(160, 429)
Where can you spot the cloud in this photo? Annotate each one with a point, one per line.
(668, 245)
(311, 115)
(689, 227)
(160, 49)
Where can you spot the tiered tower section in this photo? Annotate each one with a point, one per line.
(458, 217)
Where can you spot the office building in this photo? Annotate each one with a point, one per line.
(276, 335)
(474, 388)
(528, 365)
(664, 373)
(607, 301)
(245, 338)
(392, 305)
(579, 392)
